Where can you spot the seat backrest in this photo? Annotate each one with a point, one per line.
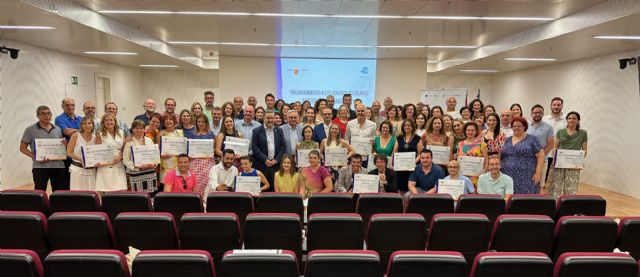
(428, 205)
(65, 263)
(216, 233)
(584, 234)
(491, 205)
(338, 263)
(24, 200)
(74, 201)
(116, 202)
(378, 203)
(426, 263)
(335, 231)
(592, 205)
(522, 233)
(239, 203)
(146, 231)
(629, 236)
(330, 202)
(532, 204)
(273, 231)
(573, 264)
(387, 233)
(80, 230)
(466, 233)
(20, 263)
(177, 203)
(170, 263)
(521, 264)
(280, 202)
(281, 263)
(24, 230)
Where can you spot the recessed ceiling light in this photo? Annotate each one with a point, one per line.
(479, 70)
(210, 58)
(531, 59)
(453, 46)
(159, 65)
(135, 12)
(25, 27)
(618, 37)
(402, 46)
(315, 45)
(110, 53)
(433, 62)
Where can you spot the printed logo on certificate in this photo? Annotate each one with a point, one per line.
(441, 154)
(173, 145)
(471, 166)
(573, 159)
(94, 154)
(52, 149)
(200, 148)
(363, 183)
(303, 157)
(455, 188)
(404, 161)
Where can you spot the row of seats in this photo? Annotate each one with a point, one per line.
(243, 203)
(320, 263)
(469, 234)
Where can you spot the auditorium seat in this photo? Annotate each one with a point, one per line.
(239, 203)
(82, 263)
(491, 205)
(74, 201)
(116, 202)
(24, 200)
(80, 230)
(177, 203)
(335, 231)
(532, 204)
(428, 205)
(522, 233)
(584, 234)
(24, 230)
(330, 202)
(280, 202)
(596, 264)
(521, 264)
(281, 263)
(466, 233)
(378, 203)
(387, 233)
(593, 205)
(273, 231)
(171, 263)
(20, 263)
(426, 263)
(215, 233)
(629, 236)
(342, 263)
(145, 231)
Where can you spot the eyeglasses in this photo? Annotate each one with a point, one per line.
(47, 113)
(452, 166)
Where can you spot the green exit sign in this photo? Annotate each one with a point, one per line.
(74, 80)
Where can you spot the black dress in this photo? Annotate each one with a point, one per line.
(402, 177)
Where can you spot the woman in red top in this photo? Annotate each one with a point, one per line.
(342, 119)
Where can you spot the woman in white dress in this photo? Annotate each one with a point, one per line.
(81, 178)
(111, 176)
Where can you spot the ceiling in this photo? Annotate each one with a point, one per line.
(567, 34)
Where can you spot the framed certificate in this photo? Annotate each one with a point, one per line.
(145, 154)
(94, 154)
(250, 184)
(453, 187)
(363, 183)
(404, 161)
(173, 145)
(303, 157)
(471, 166)
(52, 149)
(335, 156)
(441, 154)
(200, 148)
(239, 146)
(569, 159)
(362, 146)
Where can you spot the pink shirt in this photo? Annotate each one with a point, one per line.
(180, 183)
(316, 180)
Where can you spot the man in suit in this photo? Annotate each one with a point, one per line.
(320, 131)
(268, 146)
(387, 175)
(292, 132)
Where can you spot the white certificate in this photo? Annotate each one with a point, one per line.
(335, 156)
(52, 149)
(94, 154)
(471, 166)
(239, 146)
(303, 157)
(363, 183)
(145, 154)
(173, 145)
(569, 159)
(453, 187)
(441, 154)
(362, 146)
(404, 161)
(250, 184)
(200, 148)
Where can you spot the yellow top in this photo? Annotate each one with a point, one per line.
(286, 182)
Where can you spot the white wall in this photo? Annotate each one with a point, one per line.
(185, 86)
(472, 82)
(607, 99)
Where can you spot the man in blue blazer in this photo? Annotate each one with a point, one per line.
(268, 147)
(320, 131)
(292, 132)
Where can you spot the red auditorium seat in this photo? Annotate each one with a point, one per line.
(20, 263)
(281, 263)
(146, 231)
(342, 263)
(116, 202)
(466, 233)
(427, 263)
(521, 264)
(215, 233)
(177, 203)
(522, 233)
(24, 200)
(532, 204)
(24, 230)
(74, 201)
(82, 263)
(335, 231)
(593, 264)
(80, 230)
(584, 234)
(171, 263)
(428, 205)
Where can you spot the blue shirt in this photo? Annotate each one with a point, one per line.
(143, 117)
(542, 131)
(247, 130)
(428, 181)
(468, 186)
(64, 121)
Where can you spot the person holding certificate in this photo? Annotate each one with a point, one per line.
(454, 174)
(425, 178)
(307, 139)
(223, 174)
(471, 146)
(228, 129)
(286, 179)
(168, 161)
(436, 136)
(141, 177)
(407, 142)
(201, 166)
(180, 179)
(111, 176)
(386, 175)
(522, 158)
(385, 143)
(345, 177)
(314, 178)
(565, 180)
(81, 178)
(494, 181)
(246, 169)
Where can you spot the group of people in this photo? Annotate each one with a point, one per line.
(517, 152)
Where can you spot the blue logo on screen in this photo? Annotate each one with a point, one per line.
(364, 70)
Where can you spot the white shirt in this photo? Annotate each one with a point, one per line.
(271, 143)
(557, 123)
(218, 175)
(368, 129)
(454, 114)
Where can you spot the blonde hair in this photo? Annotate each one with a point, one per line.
(87, 118)
(103, 129)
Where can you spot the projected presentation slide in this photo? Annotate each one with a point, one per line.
(311, 79)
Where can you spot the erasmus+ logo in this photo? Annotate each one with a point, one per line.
(364, 70)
